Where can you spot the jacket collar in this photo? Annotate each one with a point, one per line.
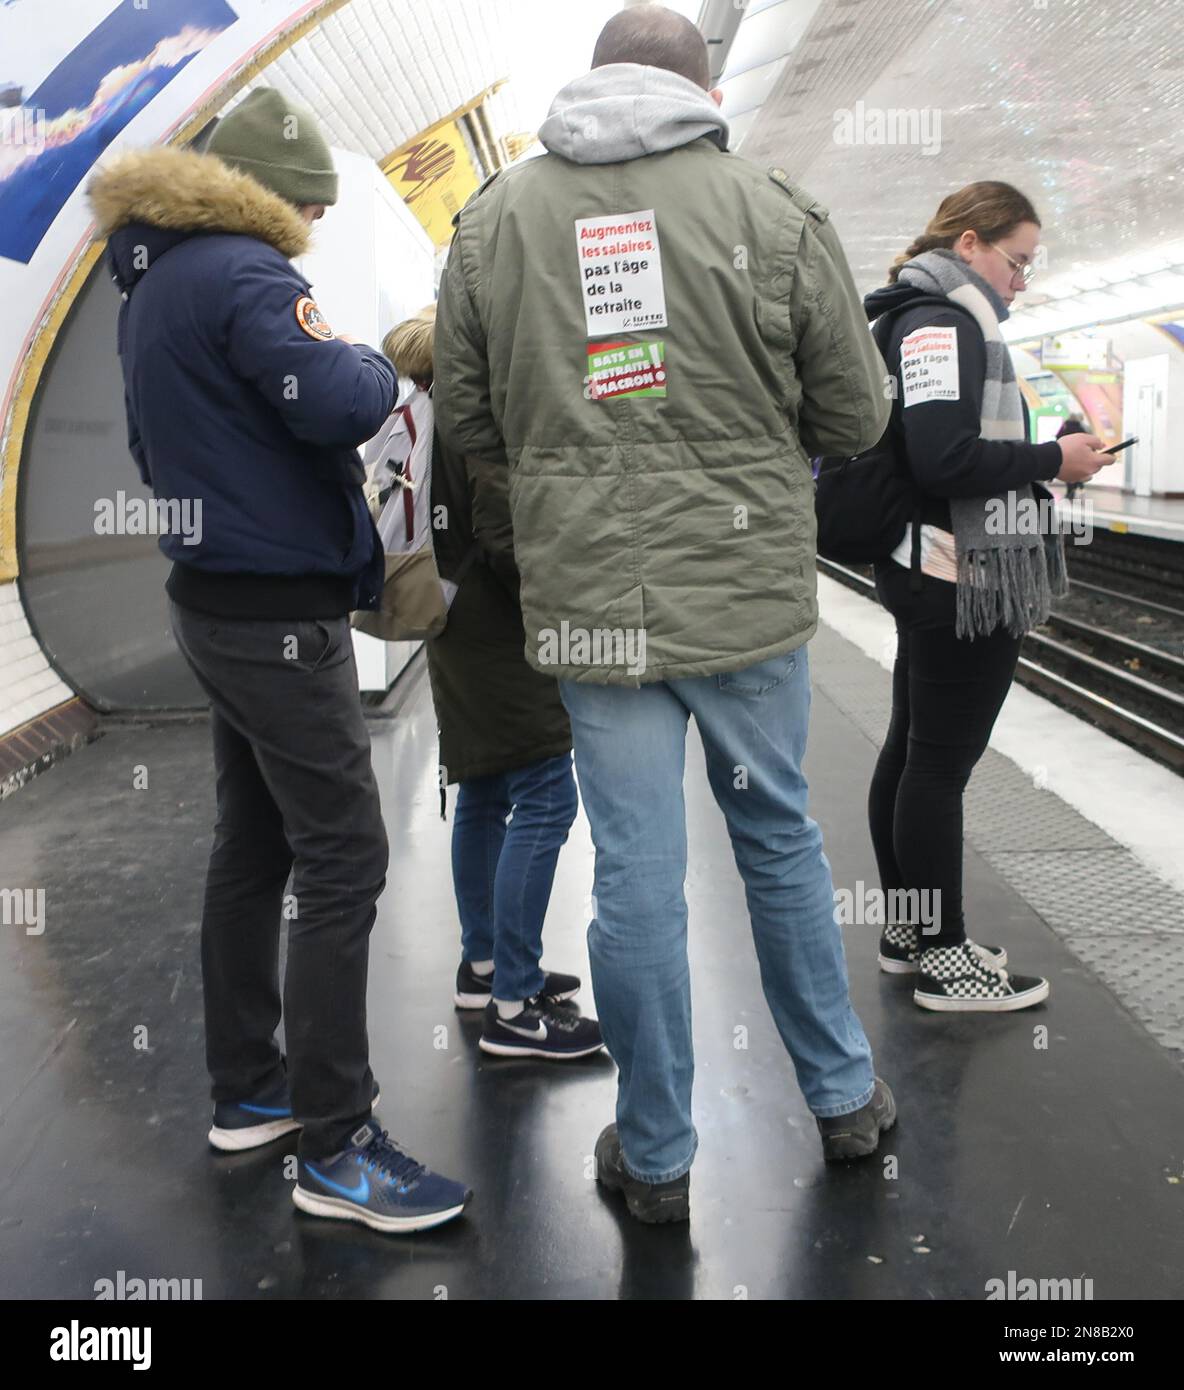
(179, 191)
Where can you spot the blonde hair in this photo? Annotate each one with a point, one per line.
(990, 208)
(410, 345)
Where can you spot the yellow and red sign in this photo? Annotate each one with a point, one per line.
(435, 175)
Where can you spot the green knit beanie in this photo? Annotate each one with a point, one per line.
(277, 142)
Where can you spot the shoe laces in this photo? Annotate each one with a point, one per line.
(981, 956)
(554, 1017)
(384, 1157)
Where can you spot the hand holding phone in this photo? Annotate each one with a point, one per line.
(1082, 456)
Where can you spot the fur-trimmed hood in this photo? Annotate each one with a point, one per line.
(181, 191)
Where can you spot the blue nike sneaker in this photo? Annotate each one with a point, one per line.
(240, 1124)
(374, 1182)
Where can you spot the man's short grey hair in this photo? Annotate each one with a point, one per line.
(656, 37)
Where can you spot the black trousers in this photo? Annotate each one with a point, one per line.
(946, 695)
(296, 794)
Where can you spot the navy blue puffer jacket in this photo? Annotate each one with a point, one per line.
(237, 392)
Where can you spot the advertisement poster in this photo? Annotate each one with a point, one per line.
(435, 176)
(1077, 352)
(81, 80)
(54, 127)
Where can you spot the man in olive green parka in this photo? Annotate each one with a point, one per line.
(656, 336)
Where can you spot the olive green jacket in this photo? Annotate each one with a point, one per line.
(668, 531)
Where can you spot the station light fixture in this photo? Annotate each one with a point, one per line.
(1131, 286)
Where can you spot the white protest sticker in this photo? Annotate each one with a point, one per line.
(929, 365)
(621, 273)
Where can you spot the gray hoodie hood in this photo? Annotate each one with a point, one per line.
(625, 110)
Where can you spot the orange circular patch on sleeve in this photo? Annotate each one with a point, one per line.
(310, 318)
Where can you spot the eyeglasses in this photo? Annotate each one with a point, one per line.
(1026, 272)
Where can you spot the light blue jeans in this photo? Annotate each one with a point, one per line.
(503, 873)
(630, 747)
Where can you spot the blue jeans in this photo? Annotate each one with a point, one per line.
(503, 873)
(630, 747)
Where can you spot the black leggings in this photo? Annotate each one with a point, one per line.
(946, 694)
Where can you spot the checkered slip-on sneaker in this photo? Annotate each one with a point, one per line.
(900, 950)
(961, 979)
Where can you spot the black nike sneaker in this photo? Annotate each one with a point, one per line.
(857, 1134)
(540, 1030)
(474, 991)
(652, 1202)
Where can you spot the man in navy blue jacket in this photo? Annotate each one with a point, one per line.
(246, 407)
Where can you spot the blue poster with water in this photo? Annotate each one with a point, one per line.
(54, 134)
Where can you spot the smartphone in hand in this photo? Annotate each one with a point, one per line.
(1118, 448)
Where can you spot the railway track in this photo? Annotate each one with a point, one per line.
(1131, 690)
(1136, 568)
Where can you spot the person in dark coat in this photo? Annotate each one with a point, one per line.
(245, 406)
(504, 739)
(1072, 425)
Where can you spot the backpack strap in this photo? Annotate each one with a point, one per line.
(882, 325)
(881, 331)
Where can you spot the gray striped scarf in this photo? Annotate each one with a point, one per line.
(1005, 579)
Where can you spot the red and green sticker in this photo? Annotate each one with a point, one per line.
(626, 369)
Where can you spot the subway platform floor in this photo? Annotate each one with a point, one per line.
(1120, 510)
(1048, 1142)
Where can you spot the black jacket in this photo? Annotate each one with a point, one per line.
(495, 712)
(941, 439)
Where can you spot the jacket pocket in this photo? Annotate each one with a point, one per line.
(761, 677)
